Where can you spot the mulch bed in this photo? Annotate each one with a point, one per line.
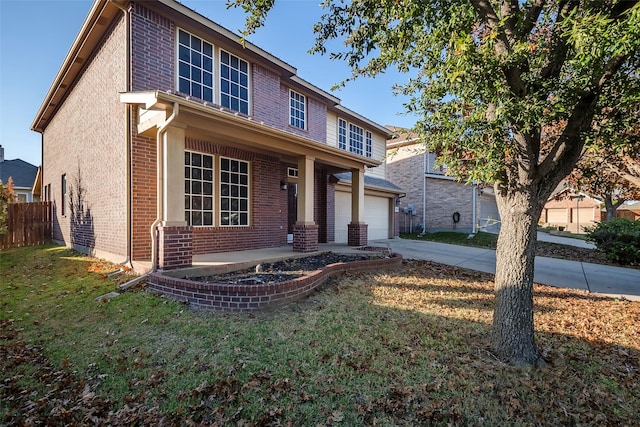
(284, 270)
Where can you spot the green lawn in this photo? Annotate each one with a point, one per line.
(402, 347)
(480, 239)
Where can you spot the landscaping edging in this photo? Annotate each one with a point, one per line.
(255, 296)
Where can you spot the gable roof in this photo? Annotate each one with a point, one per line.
(102, 15)
(22, 173)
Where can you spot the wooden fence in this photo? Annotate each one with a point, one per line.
(28, 224)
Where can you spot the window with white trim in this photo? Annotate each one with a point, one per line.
(234, 82)
(234, 192)
(368, 147)
(195, 66)
(198, 189)
(356, 139)
(63, 185)
(342, 134)
(297, 108)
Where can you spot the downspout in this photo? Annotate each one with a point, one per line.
(474, 203)
(128, 141)
(160, 186)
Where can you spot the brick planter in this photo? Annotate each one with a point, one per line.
(254, 297)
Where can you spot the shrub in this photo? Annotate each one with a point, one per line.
(618, 239)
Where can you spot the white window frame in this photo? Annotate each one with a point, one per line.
(230, 81)
(229, 196)
(297, 110)
(368, 144)
(197, 201)
(342, 134)
(205, 69)
(356, 139)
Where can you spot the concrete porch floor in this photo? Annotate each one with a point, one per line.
(267, 254)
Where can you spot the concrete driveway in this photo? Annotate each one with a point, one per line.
(595, 278)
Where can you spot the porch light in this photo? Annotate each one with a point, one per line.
(283, 185)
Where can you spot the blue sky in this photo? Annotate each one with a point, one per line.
(35, 36)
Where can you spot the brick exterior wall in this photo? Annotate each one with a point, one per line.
(86, 139)
(144, 193)
(357, 234)
(305, 238)
(175, 247)
(254, 297)
(152, 50)
(268, 205)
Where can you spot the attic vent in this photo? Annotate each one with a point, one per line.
(292, 172)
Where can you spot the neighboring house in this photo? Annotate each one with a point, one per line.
(629, 209)
(572, 211)
(164, 139)
(23, 175)
(449, 204)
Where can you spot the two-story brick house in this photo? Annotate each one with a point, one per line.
(435, 201)
(164, 138)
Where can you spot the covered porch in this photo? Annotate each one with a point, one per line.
(175, 122)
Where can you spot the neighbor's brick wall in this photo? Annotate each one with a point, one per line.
(87, 135)
(152, 50)
(404, 168)
(268, 205)
(444, 196)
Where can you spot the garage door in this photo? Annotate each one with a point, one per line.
(585, 216)
(557, 216)
(376, 215)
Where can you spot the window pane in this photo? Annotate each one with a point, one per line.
(187, 202)
(207, 218)
(196, 187)
(224, 189)
(207, 94)
(183, 37)
(184, 54)
(196, 75)
(196, 218)
(196, 90)
(207, 174)
(196, 44)
(191, 66)
(184, 85)
(196, 202)
(184, 70)
(207, 188)
(224, 204)
(196, 59)
(207, 49)
(207, 203)
(244, 107)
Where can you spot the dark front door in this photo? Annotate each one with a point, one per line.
(292, 202)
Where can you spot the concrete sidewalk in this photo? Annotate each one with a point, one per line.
(595, 278)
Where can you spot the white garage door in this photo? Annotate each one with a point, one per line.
(585, 216)
(557, 216)
(376, 215)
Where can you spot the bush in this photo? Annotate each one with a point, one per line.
(618, 239)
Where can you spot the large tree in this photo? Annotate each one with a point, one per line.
(491, 75)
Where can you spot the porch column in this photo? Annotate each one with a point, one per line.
(175, 244)
(357, 229)
(305, 231)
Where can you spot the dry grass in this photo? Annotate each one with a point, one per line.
(403, 347)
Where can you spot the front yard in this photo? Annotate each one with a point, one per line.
(402, 347)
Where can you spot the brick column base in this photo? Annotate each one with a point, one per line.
(358, 235)
(175, 247)
(305, 238)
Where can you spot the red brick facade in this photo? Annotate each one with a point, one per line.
(175, 247)
(357, 234)
(305, 238)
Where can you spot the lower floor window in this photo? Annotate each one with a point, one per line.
(234, 192)
(199, 195)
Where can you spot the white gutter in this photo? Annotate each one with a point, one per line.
(160, 186)
(474, 211)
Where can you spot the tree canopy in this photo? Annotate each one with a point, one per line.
(508, 92)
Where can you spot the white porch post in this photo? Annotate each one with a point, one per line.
(357, 229)
(173, 141)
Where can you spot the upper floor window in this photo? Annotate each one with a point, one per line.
(234, 192)
(356, 139)
(195, 66)
(342, 134)
(297, 107)
(234, 82)
(368, 147)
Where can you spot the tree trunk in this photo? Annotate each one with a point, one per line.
(513, 332)
(611, 207)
